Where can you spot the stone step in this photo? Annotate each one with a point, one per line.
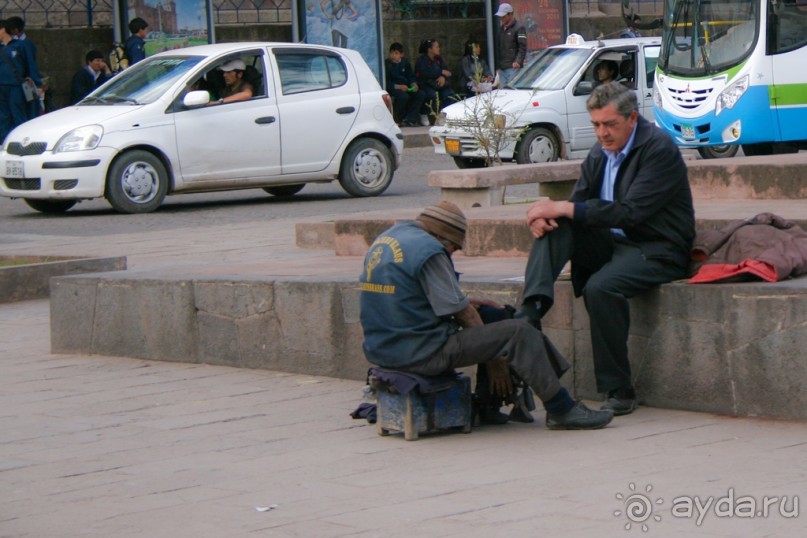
(735, 349)
(500, 231)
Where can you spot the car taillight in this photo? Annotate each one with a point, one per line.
(387, 101)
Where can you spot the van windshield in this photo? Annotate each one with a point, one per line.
(143, 83)
(551, 70)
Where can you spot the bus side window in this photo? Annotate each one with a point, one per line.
(787, 25)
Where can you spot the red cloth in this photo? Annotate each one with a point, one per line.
(727, 272)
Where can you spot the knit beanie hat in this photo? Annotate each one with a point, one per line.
(444, 220)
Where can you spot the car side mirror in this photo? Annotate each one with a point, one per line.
(196, 99)
(584, 87)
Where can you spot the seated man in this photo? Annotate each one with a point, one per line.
(627, 227)
(417, 319)
(236, 88)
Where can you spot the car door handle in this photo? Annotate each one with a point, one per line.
(265, 119)
(346, 110)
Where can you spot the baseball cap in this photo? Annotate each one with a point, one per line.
(233, 65)
(504, 9)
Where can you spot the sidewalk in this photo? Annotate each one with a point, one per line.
(101, 446)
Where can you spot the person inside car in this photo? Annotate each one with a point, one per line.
(235, 87)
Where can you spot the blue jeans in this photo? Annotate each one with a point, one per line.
(506, 75)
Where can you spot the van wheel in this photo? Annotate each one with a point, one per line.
(469, 162)
(284, 190)
(137, 182)
(50, 206)
(538, 145)
(367, 168)
(718, 152)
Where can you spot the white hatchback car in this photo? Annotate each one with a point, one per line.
(317, 114)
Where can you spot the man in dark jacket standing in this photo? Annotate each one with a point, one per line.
(512, 45)
(627, 228)
(89, 77)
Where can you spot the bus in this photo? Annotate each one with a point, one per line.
(733, 73)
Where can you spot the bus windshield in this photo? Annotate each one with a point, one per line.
(704, 37)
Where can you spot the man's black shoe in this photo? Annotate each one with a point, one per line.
(490, 415)
(579, 418)
(620, 406)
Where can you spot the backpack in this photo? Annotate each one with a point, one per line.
(117, 58)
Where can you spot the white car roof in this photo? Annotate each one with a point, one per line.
(223, 48)
(600, 43)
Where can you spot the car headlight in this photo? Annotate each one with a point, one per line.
(81, 139)
(729, 97)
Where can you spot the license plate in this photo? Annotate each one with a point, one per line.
(688, 131)
(452, 146)
(15, 169)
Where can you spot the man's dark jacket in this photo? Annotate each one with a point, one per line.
(652, 199)
(83, 84)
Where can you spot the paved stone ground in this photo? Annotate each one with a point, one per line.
(100, 446)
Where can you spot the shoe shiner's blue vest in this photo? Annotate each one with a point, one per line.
(400, 328)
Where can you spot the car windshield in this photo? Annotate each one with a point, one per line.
(551, 70)
(144, 82)
(702, 38)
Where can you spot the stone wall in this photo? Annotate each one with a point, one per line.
(736, 349)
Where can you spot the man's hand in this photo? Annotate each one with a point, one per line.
(516, 65)
(499, 375)
(441, 81)
(540, 227)
(549, 209)
(401, 87)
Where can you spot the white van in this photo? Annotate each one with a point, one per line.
(544, 107)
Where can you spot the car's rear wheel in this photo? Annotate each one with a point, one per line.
(469, 162)
(50, 206)
(137, 182)
(367, 168)
(718, 152)
(539, 145)
(284, 190)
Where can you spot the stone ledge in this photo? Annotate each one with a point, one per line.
(730, 348)
(737, 178)
(29, 278)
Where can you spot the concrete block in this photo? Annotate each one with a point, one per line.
(30, 277)
(72, 306)
(468, 198)
(147, 319)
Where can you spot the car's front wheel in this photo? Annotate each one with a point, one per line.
(50, 206)
(718, 152)
(469, 162)
(284, 190)
(367, 168)
(137, 182)
(539, 145)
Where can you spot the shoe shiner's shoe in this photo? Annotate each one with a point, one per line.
(579, 418)
(488, 412)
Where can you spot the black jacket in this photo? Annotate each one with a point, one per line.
(652, 199)
(83, 84)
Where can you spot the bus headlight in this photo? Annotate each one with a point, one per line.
(729, 97)
(657, 99)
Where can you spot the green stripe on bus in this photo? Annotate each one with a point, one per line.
(788, 94)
